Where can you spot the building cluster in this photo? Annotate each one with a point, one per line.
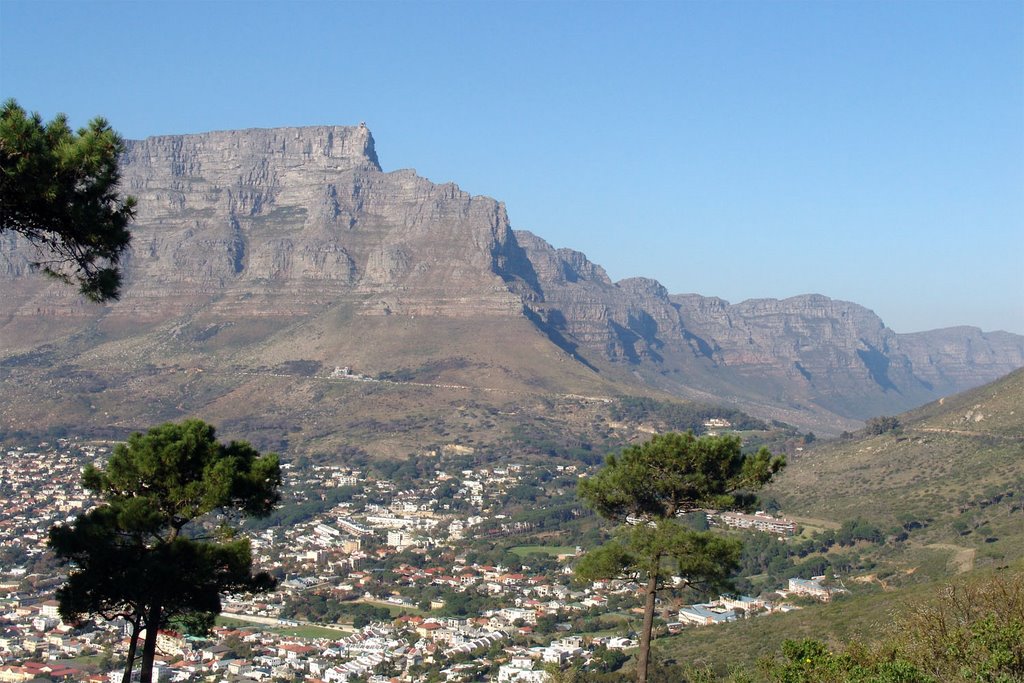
(336, 552)
(759, 521)
(39, 488)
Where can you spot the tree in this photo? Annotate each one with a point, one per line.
(146, 553)
(646, 489)
(59, 190)
(882, 425)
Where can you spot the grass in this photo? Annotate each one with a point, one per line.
(948, 477)
(871, 620)
(954, 481)
(741, 644)
(552, 550)
(309, 631)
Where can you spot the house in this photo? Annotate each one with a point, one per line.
(743, 602)
(428, 628)
(759, 521)
(811, 587)
(706, 614)
(520, 670)
(49, 608)
(293, 651)
(16, 674)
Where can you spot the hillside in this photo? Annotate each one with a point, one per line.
(946, 488)
(952, 476)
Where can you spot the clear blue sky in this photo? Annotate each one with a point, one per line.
(869, 151)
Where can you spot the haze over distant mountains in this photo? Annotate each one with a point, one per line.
(289, 252)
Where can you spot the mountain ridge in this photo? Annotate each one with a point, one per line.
(257, 247)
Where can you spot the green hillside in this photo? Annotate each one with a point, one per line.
(947, 488)
(951, 477)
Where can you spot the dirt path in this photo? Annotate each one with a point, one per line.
(963, 558)
(965, 432)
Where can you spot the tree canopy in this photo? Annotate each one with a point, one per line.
(149, 553)
(646, 490)
(59, 190)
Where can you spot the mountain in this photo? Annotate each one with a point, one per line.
(946, 489)
(264, 259)
(805, 359)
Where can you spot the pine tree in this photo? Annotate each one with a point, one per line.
(59, 190)
(645, 491)
(145, 553)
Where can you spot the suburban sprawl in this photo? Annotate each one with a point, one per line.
(441, 568)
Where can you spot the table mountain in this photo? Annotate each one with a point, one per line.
(289, 252)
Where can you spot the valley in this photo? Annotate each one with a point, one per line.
(458, 534)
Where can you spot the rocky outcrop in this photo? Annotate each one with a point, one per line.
(955, 357)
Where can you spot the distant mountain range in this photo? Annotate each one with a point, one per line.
(288, 252)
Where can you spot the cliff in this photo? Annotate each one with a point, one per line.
(288, 219)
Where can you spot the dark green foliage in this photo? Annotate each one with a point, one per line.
(606, 660)
(292, 512)
(327, 610)
(137, 555)
(645, 490)
(58, 189)
(639, 552)
(467, 604)
(551, 439)
(677, 473)
(881, 425)
(174, 473)
(810, 661)
(854, 530)
(973, 630)
(405, 473)
(680, 416)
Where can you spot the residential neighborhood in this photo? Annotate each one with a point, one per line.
(379, 579)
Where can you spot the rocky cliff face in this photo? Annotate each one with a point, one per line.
(282, 225)
(291, 218)
(801, 353)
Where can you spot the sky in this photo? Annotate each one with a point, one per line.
(869, 151)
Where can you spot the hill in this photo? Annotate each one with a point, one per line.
(946, 486)
(951, 476)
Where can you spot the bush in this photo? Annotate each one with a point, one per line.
(973, 630)
(881, 425)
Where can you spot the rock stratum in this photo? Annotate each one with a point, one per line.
(285, 253)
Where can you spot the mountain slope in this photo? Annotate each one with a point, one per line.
(288, 252)
(952, 474)
(809, 359)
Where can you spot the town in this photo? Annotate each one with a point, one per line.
(386, 572)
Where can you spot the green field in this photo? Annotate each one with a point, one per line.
(304, 631)
(396, 610)
(552, 550)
